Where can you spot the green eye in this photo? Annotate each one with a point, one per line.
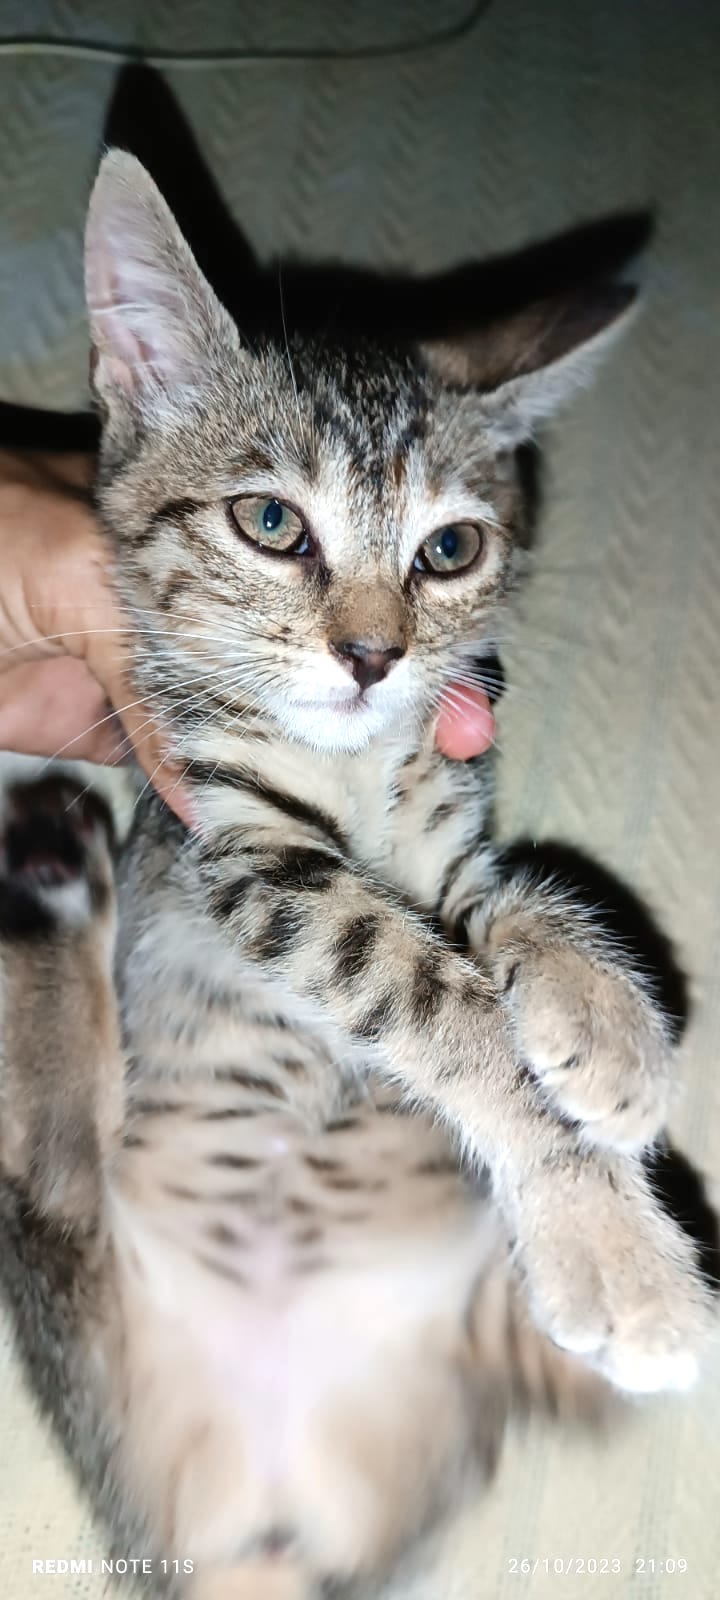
(449, 549)
(270, 524)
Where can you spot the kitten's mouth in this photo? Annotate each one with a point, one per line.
(352, 704)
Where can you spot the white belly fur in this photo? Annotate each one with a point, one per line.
(294, 1351)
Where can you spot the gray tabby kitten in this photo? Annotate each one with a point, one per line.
(275, 1318)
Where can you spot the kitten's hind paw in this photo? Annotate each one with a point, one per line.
(55, 857)
(61, 1070)
(610, 1277)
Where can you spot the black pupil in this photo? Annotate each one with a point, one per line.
(449, 542)
(272, 516)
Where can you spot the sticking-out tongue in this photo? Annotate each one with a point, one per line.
(466, 724)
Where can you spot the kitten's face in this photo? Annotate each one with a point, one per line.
(327, 543)
(316, 536)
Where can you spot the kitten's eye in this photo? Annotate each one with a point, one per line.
(270, 524)
(449, 549)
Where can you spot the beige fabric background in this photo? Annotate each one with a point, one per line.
(553, 111)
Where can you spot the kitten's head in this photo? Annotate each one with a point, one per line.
(312, 534)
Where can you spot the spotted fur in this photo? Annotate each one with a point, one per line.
(382, 1106)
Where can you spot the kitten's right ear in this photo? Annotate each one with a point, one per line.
(156, 325)
(526, 366)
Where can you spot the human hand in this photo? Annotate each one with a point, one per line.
(65, 687)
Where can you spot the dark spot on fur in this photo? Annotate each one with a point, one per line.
(43, 835)
(276, 1541)
(226, 901)
(254, 458)
(342, 1124)
(303, 869)
(439, 1167)
(473, 991)
(323, 1164)
(23, 916)
(309, 1235)
(132, 1141)
(300, 1207)
(178, 1191)
(279, 932)
(291, 1064)
(319, 575)
(172, 511)
(252, 1081)
(377, 1020)
(220, 1233)
(207, 772)
(456, 865)
(176, 585)
(441, 813)
(510, 979)
(249, 1198)
(354, 947)
(155, 1108)
(345, 1184)
(429, 989)
(226, 1113)
(222, 1269)
(228, 1158)
(341, 430)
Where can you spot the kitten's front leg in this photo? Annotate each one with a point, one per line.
(583, 1019)
(609, 1275)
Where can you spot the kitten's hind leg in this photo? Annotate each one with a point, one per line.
(60, 1056)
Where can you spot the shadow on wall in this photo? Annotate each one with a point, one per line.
(144, 117)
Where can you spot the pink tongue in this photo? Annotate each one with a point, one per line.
(465, 727)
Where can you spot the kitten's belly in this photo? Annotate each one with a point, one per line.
(294, 1304)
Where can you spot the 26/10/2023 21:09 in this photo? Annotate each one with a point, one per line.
(592, 1566)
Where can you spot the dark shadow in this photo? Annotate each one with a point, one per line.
(682, 1194)
(618, 910)
(145, 118)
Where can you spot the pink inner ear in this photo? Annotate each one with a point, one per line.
(137, 310)
(119, 349)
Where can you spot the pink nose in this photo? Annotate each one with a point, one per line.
(368, 663)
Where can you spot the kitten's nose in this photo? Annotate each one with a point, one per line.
(369, 663)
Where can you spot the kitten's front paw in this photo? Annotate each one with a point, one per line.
(610, 1277)
(596, 1043)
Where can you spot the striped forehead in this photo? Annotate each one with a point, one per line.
(368, 480)
(381, 482)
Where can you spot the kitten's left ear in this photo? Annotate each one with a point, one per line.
(527, 365)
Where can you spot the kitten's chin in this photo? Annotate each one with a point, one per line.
(334, 730)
